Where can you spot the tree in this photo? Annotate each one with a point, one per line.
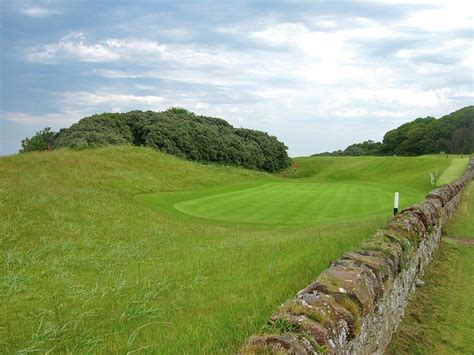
(179, 132)
(39, 141)
(453, 133)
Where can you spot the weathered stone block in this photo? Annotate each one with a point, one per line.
(359, 283)
(393, 246)
(382, 268)
(338, 320)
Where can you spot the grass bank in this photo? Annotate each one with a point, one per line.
(440, 317)
(88, 266)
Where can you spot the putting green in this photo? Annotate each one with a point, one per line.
(294, 203)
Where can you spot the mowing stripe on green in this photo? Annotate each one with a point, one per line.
(294, 203)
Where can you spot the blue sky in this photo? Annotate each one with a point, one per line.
(318, 75)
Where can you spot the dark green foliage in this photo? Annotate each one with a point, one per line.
(39, 141)
(453, 133)
(206, 139)
(274, 155)
(358, 149)
(96, 131)
(179, 132)
(365, 148)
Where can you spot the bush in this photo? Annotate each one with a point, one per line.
(179, 132)
(39, 141)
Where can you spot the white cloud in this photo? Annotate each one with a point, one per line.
(177, 33)
(114, 74)
(49, 119)
(74, 47)
(459, 47)
(321, 45)
(201, 106)
(109, 100)
(145, 87)
(448, 17)
(71, 47)
(38, 11)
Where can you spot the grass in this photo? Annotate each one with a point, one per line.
(95, 258)
(440, 317)
(455, 169)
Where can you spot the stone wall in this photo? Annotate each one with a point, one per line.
(355, 305)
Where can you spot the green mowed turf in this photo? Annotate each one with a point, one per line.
(288, 203)
(96, 259)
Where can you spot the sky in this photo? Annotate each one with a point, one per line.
(319, 75)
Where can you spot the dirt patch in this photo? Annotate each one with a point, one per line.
(465, 241)
(460, 240)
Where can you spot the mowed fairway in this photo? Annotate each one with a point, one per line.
(281, 203)
(96, 257)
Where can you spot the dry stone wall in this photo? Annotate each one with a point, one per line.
(355, 305)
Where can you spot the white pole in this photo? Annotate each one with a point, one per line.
(395, 203)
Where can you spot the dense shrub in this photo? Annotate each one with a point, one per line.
(39, 141)
(179, 132)
(96, 131)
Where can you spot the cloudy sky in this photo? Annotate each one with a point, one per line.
(318, 75)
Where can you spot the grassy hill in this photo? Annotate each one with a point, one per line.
(97, 256)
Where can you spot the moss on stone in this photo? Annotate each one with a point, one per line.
(335, 317)
(297, 307)
(256, 349)
(319, 348)
(354, 309)
(348, 278)
(280, 326)
(376, 263)
(393, 247)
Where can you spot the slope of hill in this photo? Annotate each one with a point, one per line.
(88, 266)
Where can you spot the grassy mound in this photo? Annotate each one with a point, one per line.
(88, 266)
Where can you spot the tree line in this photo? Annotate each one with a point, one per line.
(175, 131)
(453, 133)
